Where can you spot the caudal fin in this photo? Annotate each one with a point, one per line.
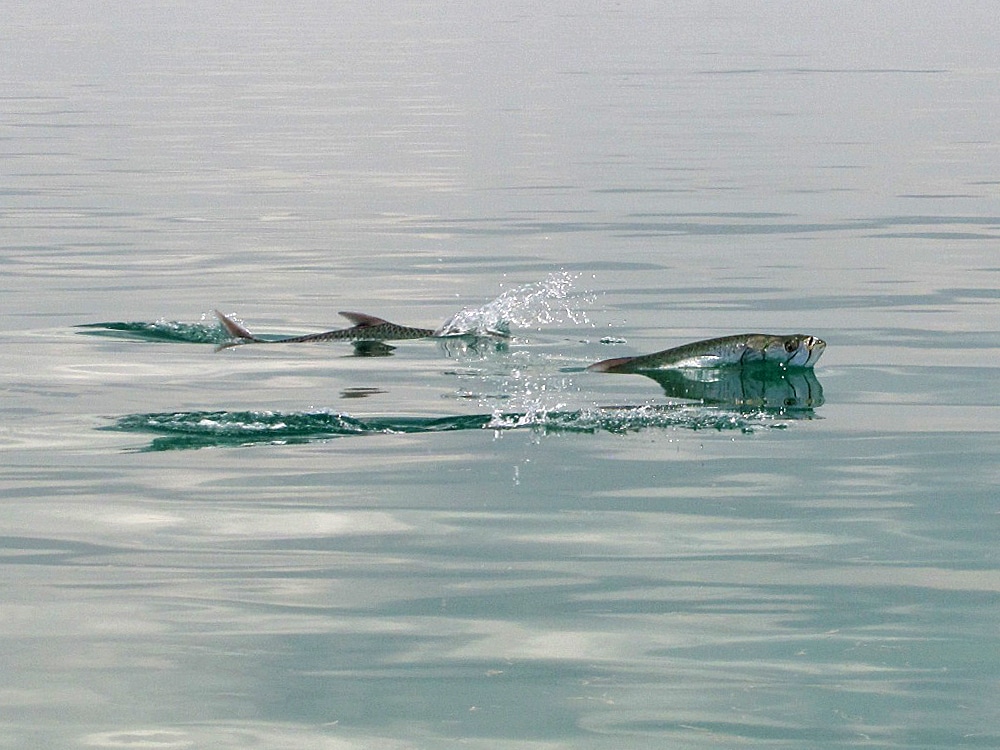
(234, 329)
(618, 364)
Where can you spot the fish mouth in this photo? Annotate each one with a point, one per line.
(815, 346)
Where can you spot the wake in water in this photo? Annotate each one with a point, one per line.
(161, 330)
(217, 429)
(546, 302)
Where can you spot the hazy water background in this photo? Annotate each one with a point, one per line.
(700, 168)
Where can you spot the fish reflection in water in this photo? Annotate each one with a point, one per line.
(759, 387)
(747, 370)
(372, 349)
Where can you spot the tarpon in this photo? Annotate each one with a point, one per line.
(365, 328)
(795, 350)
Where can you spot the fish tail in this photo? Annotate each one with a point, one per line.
(618, 364)
(234, 329)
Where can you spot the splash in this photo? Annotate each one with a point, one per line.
(219, 429)
(546, 302)
(550, 301)
(525, 384)
(625, 419)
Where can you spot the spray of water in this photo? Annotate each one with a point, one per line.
(525, 384)
(550, 301)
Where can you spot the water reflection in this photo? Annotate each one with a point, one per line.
(754, 387)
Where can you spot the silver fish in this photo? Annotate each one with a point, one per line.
(365, 328)
(795, 350)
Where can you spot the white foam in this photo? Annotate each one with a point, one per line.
(547, 302)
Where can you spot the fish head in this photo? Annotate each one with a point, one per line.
(797, 350)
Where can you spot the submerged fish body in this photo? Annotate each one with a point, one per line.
(365, 328)
(794, 350)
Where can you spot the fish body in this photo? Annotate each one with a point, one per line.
(794, 350)
(365, 328)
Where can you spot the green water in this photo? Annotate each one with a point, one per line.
(475, 542)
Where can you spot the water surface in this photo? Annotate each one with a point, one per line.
(483, 544)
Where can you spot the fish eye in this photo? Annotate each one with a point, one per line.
(791, 345)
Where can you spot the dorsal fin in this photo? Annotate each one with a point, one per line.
(233, 328)
(363, 319)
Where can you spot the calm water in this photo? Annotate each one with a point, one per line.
(481, 544)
